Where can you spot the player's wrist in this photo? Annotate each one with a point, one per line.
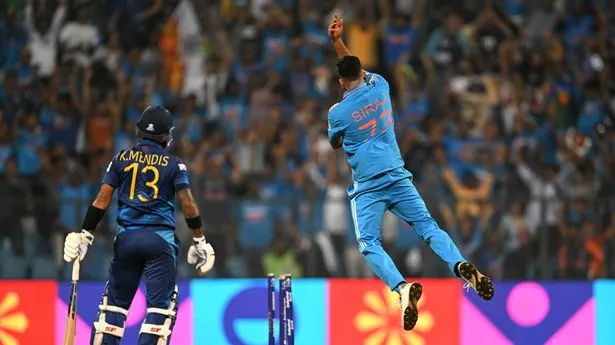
(194, 224)
(86, 237)
(93, 216)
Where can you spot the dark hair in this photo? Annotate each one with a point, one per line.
(349, 67)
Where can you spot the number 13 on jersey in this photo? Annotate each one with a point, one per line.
(134, 167)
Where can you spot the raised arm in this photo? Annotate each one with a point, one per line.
(152, 10)
(58, 18)
(28, 16)
(335, 33)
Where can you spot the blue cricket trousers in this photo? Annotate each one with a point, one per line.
(399, 195)
(141, 253)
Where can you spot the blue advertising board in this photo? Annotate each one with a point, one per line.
(235, 311)
(604, 293)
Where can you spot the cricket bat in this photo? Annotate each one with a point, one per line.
(71, 318)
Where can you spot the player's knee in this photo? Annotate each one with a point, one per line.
(110, 323)
(425, 228)
(159, 322)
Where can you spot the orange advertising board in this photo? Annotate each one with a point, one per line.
(366, 312)
(27, 312)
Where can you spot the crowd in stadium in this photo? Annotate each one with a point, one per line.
(503, 113)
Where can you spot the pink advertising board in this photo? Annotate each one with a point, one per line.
(87, 308)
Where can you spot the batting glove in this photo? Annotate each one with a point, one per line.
(201, 254)
(76, 245)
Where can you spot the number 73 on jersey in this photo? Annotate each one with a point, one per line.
(382, 123)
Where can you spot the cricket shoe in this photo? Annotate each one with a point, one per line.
(410, 294)
(478, 281)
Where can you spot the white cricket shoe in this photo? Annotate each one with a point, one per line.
(410, 294)
(476, 280)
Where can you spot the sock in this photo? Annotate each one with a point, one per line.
(399, 286)
(457, 269)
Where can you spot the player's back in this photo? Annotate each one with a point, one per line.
(365, 117)
(146, 178)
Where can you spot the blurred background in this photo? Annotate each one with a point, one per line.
(504, 112)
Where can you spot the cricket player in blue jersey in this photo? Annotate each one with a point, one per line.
(147, 179)
(362, 123)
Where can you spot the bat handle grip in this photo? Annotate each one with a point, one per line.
(75, 274)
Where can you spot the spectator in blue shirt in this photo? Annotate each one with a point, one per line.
(314, 39)
(276, 39)
(416, 109)
(516, 9)
(579, 24)
(593, 111)
(399, 39)
(30, 146)
(301, 79)
(13, 39)
(75, 194)
(447, 45)
(256, 225)
(124, 138)
(25, 71)
(65, 125)
(134, 70)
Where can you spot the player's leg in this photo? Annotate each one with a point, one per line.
(124, 276)
(407, 203)
(162, 294)
(367, 213)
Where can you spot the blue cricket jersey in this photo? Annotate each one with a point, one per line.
(364, 118)
(147, 179)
